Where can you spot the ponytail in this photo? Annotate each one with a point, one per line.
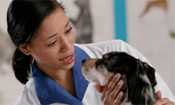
(21, 66)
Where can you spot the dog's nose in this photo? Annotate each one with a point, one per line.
(83, 61)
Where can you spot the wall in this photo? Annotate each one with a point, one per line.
(148, 34)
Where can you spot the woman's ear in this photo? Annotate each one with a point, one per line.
(24, 48)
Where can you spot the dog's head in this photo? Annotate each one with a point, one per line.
(139, 77)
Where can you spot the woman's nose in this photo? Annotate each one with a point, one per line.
(65, 44)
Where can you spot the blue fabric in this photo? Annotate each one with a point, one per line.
(49, 92)
(120, 20)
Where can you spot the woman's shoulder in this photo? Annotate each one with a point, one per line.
(97, 49)
(103, 44)
(28, 96)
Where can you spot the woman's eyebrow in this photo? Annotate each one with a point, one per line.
(51, 36)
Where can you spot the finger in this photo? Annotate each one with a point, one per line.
(105, 101)
(117, 90)
(158, 95)
(114, 81)
(118, 99)
(162, 101)
(110, 79)
(112, 87)
(114, 93)
(104, 92)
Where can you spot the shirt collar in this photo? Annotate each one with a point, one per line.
(48, 91)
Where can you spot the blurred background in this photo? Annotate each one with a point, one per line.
(148, 25)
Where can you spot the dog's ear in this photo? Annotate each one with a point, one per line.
(150, 71)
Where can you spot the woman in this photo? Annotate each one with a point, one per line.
(48, 62)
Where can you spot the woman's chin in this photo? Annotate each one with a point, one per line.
(69, 66)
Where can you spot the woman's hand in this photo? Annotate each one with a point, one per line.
(111, 92)
(162, 101)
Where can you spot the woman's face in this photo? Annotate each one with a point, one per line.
(53, 44)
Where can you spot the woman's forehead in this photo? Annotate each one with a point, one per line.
(56, 22)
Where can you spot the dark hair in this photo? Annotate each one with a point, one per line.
(24, 18)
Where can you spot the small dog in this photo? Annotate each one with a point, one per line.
(139, 77)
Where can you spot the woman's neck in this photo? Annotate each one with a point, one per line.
(66, 80)
(62, 77)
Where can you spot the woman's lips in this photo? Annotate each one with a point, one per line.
(69, 59)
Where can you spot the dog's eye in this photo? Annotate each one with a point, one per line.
(99, 62)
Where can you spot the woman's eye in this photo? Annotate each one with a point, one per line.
(67, 31)
(51, 44)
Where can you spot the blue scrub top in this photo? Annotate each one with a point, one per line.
(49, 92)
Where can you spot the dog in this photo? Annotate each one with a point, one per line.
(138, 76)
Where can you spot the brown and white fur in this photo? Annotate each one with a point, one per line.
(139, 77)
